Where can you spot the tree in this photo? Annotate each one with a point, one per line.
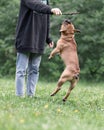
(91, 44)
(8, 19)
(90, 41)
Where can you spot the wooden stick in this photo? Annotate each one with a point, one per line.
(73, 13)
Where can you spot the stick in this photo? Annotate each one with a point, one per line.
(73, 13)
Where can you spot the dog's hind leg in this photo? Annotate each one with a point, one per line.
(60, 83)
(73, 83)
(62, 80)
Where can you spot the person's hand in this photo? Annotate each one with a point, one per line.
(51, 45)
(56, 11)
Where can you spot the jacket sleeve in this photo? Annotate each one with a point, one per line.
(48, 39)
(37, 6)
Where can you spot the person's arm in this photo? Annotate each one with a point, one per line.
(38, 6)
(41, 8)
(55, 11)
(48, 39)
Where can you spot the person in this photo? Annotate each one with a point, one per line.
(32, 32)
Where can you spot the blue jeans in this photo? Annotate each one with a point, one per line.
(27, 64)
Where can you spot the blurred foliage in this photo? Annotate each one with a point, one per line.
(90, 42)
(8, 20)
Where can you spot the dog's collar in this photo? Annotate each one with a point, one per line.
(66, 38)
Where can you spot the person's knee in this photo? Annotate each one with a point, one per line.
(21, 72)
(35, 70)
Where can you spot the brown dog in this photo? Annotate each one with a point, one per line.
(67, 48)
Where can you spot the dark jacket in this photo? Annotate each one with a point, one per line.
(33, 26)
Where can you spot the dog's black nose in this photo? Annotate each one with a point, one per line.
(67, 21)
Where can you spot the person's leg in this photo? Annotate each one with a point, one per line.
(21, 66)
(33, 73)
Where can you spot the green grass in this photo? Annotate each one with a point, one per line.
(84, 110)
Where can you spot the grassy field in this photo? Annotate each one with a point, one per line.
(84, 110)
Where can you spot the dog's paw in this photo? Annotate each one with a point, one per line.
(49, 57)
(52, 94)
(64, 100)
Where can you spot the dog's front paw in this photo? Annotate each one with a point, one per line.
(49, 57)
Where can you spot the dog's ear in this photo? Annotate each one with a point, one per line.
(77, 30)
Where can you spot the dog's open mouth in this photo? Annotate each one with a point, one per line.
(67, 21)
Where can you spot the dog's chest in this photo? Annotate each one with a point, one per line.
(69, 46)
(69, 51)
